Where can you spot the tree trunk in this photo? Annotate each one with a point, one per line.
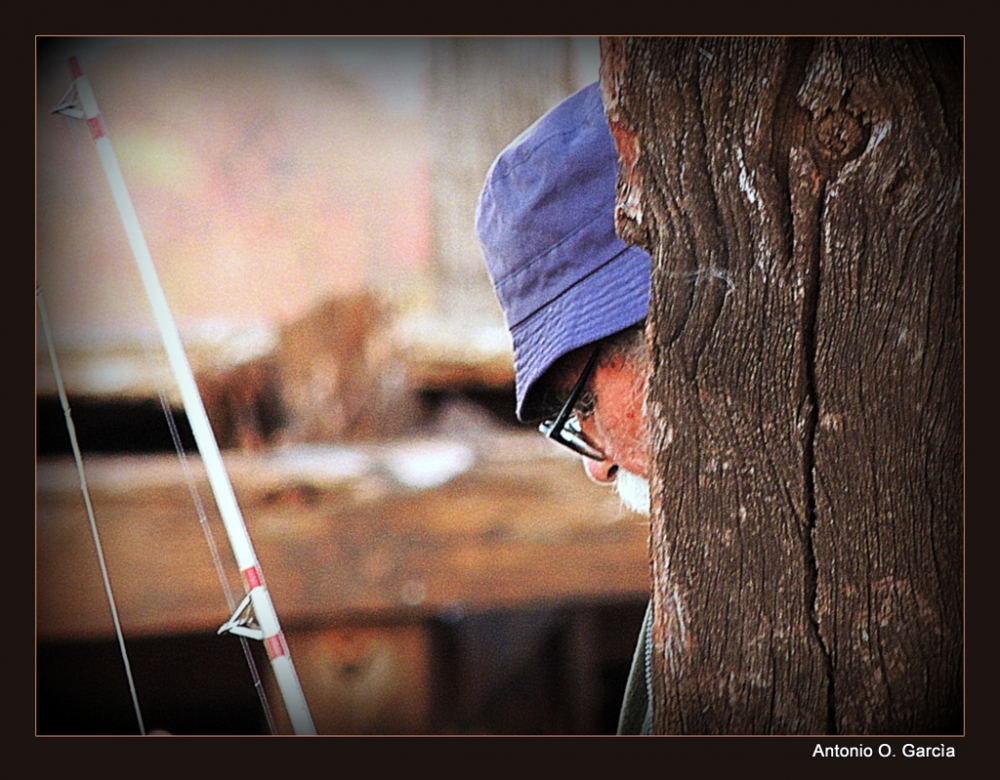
(802, 201)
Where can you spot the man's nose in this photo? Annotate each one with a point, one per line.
(601, 471)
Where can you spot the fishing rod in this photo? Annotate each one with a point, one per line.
(255, 617)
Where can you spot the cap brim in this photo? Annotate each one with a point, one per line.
(615, 296)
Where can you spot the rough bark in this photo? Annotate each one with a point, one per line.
(802, 201)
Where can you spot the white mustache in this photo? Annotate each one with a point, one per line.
(633, 491)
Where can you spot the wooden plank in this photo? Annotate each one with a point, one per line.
(340, 536)
(362, 679)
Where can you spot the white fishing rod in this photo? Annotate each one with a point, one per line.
(79, 102)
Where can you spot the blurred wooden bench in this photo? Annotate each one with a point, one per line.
(360, 546)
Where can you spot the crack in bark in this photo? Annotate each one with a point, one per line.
(794, 144)
(833, 139)
(809, 420)
(807, 191)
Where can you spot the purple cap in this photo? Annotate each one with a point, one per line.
(545, 220)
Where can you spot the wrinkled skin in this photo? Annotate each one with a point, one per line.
(616, 421)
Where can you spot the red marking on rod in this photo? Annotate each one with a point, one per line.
(96, 127)
(251, 576)
(74, 68)
(275, 646)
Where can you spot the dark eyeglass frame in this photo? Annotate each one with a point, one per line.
(565, 428)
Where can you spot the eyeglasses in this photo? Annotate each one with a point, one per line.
(565, 427)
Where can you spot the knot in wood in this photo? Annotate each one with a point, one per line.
(840, 136)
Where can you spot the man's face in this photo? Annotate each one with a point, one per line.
(613, 419)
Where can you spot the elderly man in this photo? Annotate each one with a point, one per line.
(575, 298)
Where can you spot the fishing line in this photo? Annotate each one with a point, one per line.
(79, 101)
(72, 124)
(210, 539)
(78, 457)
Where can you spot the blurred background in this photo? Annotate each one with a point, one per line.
(308, 204)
